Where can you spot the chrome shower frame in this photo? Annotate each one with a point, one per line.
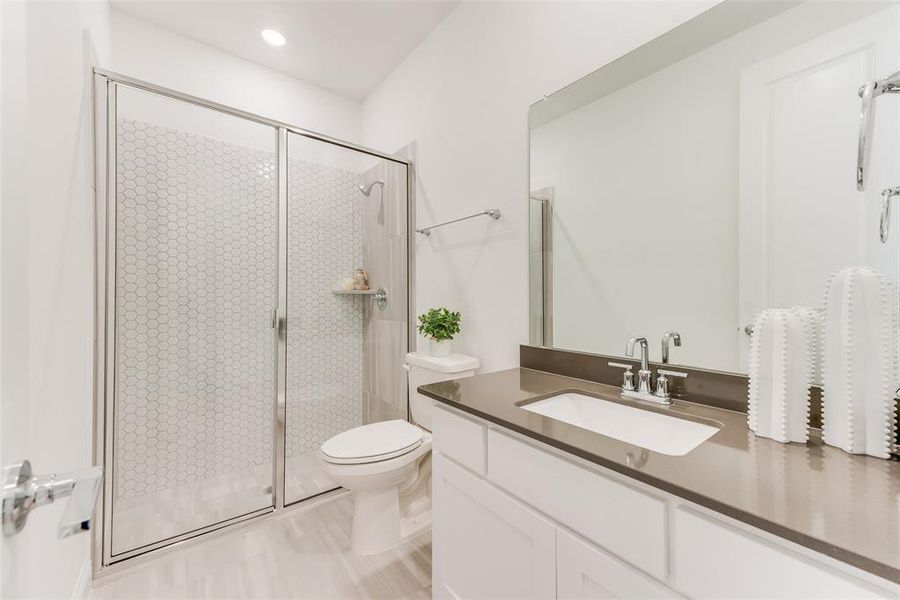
(104, 87)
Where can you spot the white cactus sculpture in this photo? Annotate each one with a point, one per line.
(860, 362)
(783, 350)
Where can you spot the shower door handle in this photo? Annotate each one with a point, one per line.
(277, 323)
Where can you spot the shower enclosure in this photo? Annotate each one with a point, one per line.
(225, 355)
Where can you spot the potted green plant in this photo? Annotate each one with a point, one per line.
(439, 325)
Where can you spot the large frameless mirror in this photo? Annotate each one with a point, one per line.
(709, 175)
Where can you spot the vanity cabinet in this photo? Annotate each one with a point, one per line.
(516, 519)
(621, 519)
(487, 545)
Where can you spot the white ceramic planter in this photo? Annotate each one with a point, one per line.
(440, 348)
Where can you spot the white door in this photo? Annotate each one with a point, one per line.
(801, 217)
(487, 545)
(585, 572)
(46, 323)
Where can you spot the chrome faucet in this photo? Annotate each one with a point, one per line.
(669, 336)
(643, 391)
(644, 373)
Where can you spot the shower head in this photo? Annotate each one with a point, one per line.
(367, 189)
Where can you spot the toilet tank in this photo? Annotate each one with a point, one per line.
(424, 369)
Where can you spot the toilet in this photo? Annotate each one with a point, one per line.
(387, 465)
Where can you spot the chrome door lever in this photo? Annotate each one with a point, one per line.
(23, 492)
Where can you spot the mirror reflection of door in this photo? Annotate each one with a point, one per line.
(801, 217)
(540, 267)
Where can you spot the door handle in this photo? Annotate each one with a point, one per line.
(23, 492)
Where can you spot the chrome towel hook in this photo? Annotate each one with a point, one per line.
(885, 223)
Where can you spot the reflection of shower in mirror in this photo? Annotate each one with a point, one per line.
(365, 190)
(868, 92)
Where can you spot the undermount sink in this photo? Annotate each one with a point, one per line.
(650, 430)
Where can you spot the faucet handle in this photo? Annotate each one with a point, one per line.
(662, 382)
(627, 376)
(667, 372)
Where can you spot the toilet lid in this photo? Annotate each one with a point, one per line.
(373, 442)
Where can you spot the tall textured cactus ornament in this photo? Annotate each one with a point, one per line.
(860, 362)
(783, 350)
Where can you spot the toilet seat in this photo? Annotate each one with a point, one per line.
(371, 443)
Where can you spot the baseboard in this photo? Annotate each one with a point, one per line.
(82, 585)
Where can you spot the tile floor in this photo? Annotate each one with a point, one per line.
(302, 553)
(148, 519)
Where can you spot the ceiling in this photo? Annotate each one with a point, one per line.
(348, 46)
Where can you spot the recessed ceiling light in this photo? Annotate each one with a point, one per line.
(272, 37)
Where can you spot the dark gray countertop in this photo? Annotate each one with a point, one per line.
(842, 505)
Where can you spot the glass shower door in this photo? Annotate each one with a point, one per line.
(346, 210)
(194, 231)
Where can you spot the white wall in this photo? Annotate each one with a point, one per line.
(148, 52)
(47, 256)
(463, 94)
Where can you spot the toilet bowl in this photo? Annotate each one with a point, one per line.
(386, 462)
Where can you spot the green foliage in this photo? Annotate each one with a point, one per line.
(439, 324)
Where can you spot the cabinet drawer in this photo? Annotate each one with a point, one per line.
(715, 560)
(627, 522)
(583, 572)
(460, 438)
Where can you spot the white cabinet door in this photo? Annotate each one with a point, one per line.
(584, 571)
(487, 545)
(714, 561)
(627, 522)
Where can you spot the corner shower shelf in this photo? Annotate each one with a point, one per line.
(379, 295)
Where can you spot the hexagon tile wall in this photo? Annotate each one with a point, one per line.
(196, 281)
(324, 331)
(195, 286)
